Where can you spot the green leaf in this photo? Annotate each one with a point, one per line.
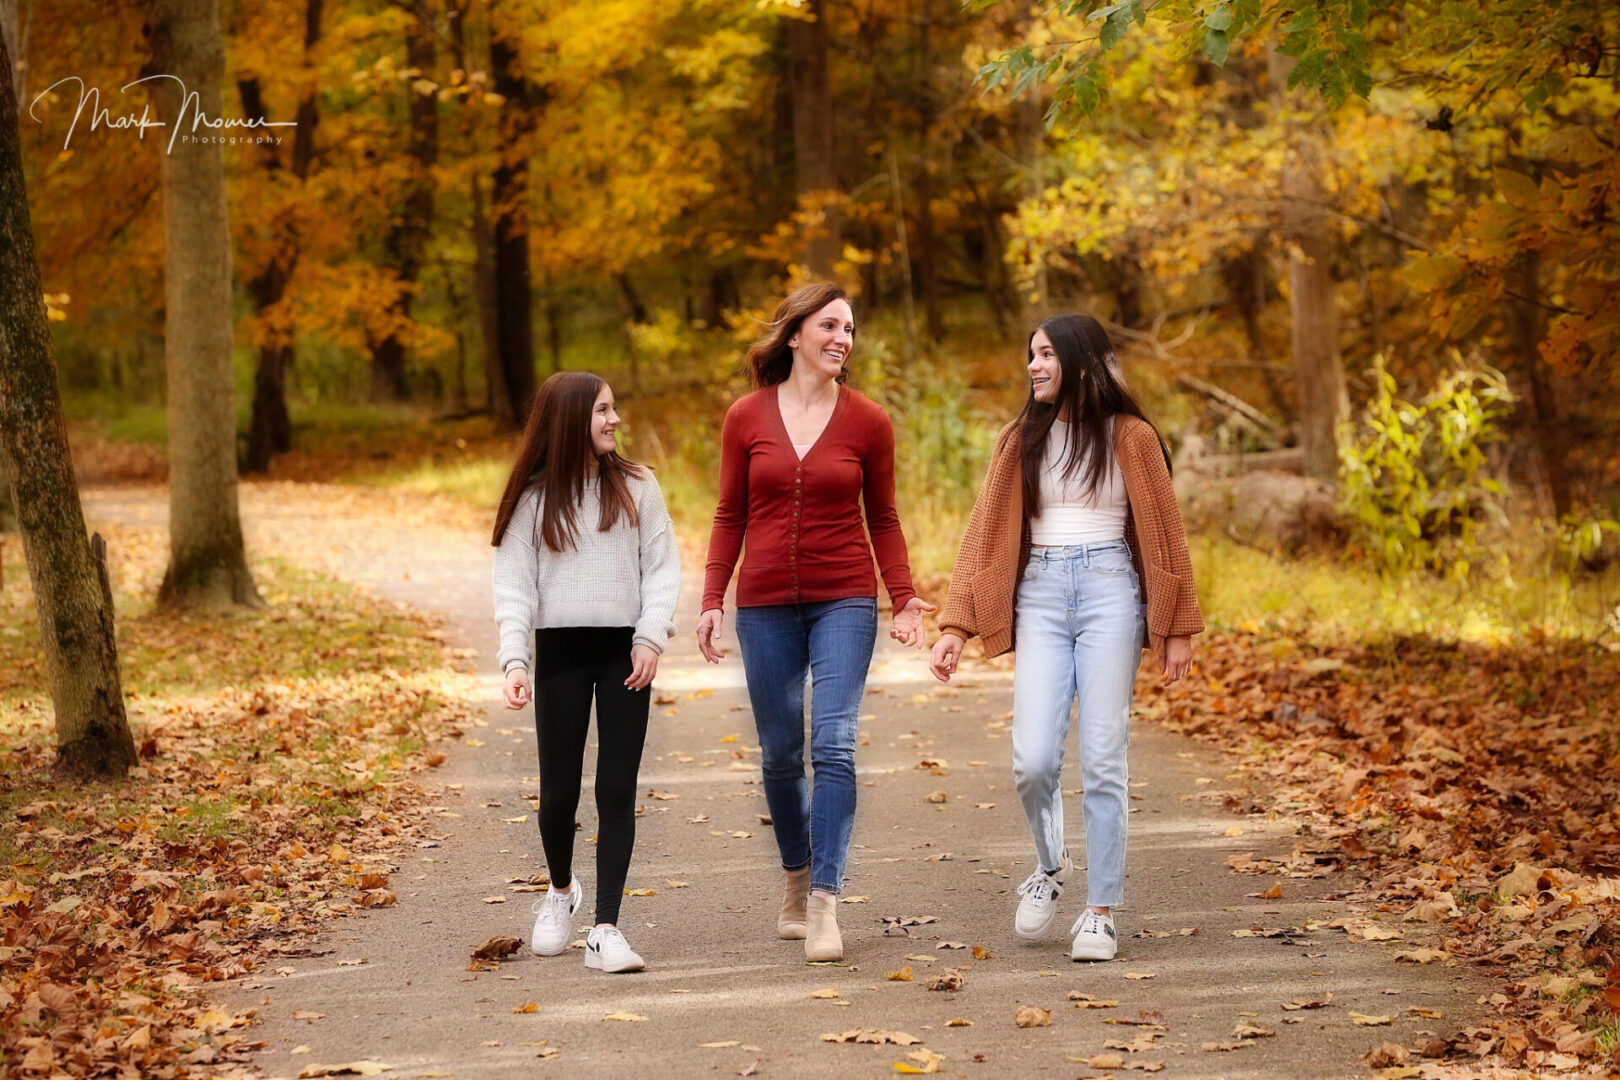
(1220, 19)
(1114, 28)
(1215, 47)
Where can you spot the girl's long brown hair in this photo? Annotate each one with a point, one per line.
(1095, 391)
(553, 452)
(770, 361)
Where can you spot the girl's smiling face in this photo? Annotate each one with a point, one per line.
(1045, 372)
(604, 422)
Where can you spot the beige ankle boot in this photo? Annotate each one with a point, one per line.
(821, 938)
(790, 923)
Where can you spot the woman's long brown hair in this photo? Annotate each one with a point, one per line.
(770, 361)
(1094, 389)
(553, 452)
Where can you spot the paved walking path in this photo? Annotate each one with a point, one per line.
(716, 973)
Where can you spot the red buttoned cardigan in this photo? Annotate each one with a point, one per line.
(802, 519)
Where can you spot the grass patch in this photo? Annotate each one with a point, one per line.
(1331, 599)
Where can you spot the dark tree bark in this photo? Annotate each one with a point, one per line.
(927, 257)
(513, 292)
(71, 595)
(207, 561)
(1245, 277)
(270, 428)
(497, 394)
(632, 299)
(1324, 399)
(406, 241)
(723, 295)
(814, 167)
(1527, 325)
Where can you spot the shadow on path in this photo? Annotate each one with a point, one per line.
(717, 974)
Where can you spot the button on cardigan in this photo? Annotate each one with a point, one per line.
(802, 517)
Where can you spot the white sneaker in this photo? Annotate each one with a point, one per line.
(606, 950)
(1094, 937)
(553, 920)
(1040, 891)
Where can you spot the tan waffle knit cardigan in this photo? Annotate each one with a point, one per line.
(995, 548)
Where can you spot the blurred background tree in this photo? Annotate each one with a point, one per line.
(1259, 200)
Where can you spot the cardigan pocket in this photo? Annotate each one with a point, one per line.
(992, 601)
(1163, 588)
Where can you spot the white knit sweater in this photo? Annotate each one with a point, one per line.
(627, 576)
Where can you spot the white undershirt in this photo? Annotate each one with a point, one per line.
(1068, 514)
(802, 448)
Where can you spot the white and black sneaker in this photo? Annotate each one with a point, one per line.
(606, 950)
(553, 920)
(1094, 937)
(1038, 904)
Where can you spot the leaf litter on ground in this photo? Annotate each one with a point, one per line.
(283, 757)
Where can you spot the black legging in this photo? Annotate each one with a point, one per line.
(570, 666)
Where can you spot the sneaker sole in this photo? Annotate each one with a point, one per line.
(624, 969)
(1094, 955)
(1040, 931)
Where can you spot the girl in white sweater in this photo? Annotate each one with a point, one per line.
(585, 557)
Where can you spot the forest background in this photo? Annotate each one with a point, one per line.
(1361, 261)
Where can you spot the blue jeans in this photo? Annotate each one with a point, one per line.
(1079, 618)
(831, 643)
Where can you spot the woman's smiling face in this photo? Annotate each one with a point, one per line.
(825, 339)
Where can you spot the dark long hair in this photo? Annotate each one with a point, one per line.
(770, 361)
(1093, 388)
(552, 455)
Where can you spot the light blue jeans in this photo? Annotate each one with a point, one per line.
(831, 643)
(1079, 619)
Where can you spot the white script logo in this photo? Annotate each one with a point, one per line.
(202, 127)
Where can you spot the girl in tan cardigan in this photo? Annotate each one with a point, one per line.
(1076, 551)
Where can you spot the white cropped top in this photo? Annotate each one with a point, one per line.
(1068, 515)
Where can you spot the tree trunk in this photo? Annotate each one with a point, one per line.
(14, 26)
(1324, 398)
(632, 299)
(406, 242)
(723, 296)
(927, 256)
(70, 595)
(1030, 127)
(1527, 325)
(514, 315)
(498, 395)
(1245, 279)
(814, 168)
(207, 562)
(270, 427)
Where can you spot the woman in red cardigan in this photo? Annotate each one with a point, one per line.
(799, 458)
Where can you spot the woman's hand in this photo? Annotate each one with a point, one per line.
(947, 651)
(908, 622)
(643, 666)
(517, 686)
(708, 634)
(1175, 659)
